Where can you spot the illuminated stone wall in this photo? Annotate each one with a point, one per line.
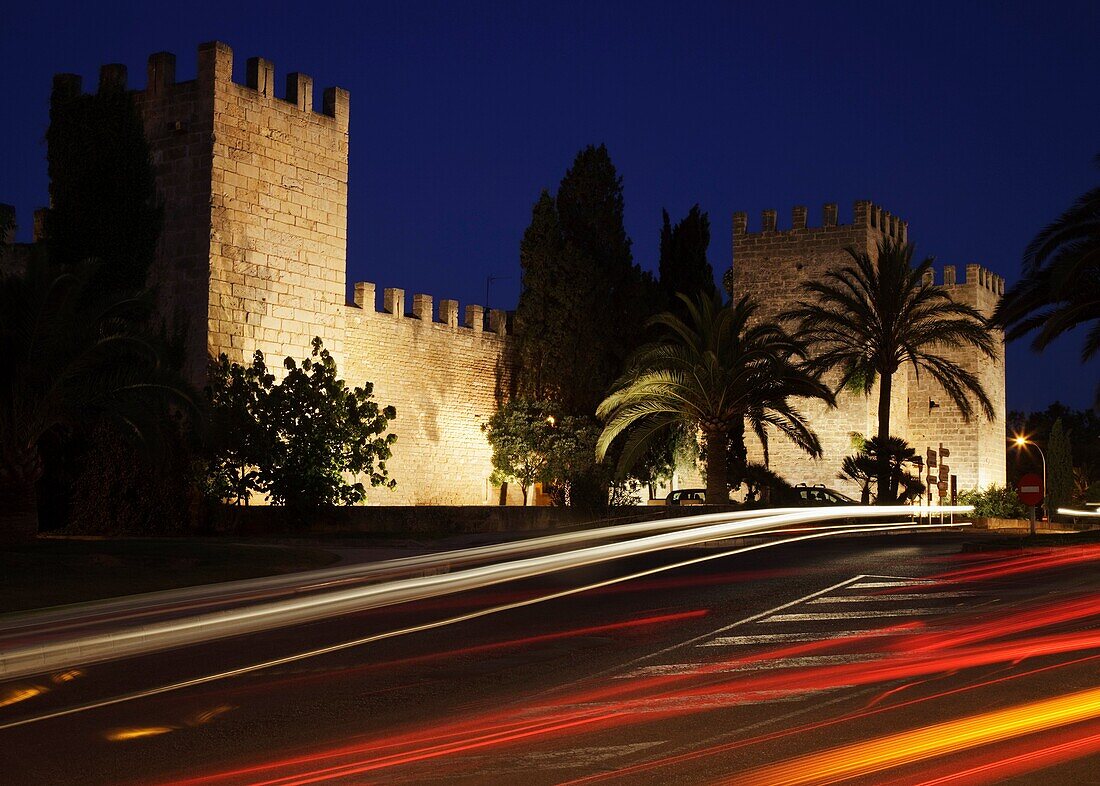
(445, 372)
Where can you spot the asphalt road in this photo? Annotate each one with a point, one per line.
(739, 669)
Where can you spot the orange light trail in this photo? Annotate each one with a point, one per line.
(807, 728)
(916, 745)
(1074, 743)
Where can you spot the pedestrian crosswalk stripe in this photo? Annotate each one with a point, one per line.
(851, 615)
(806, 661)
(780, 638)
(885, 584)
(880, 598)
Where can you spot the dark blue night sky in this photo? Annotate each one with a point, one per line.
(976, 122)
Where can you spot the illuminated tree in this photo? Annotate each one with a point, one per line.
(711, 372)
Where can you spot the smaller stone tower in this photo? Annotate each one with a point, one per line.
(771, 265)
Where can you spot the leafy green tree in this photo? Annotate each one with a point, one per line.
(521, 433)
(1059, 491)
(1060, 288)
(710, 373)
(869, 318)
(533, 443)
(75, 362)
(683, 264)
(103, 200)
(237, 439)
(297, 439)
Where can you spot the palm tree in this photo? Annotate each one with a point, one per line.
(712, 372)
(1060, 288)
(867, 319)
(73, 360)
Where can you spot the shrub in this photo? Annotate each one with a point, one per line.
(994, 502)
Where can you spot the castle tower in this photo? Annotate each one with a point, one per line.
(977, 448)
(253, 249)
(771, 264)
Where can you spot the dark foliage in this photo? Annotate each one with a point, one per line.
(103, 201)
(683, 266)
(295, 440)
(77, 362)
(1060, 288)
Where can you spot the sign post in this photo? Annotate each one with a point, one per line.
(1030, 492)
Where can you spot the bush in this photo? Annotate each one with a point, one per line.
(994, 502)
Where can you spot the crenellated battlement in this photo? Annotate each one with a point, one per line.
(974, 275)
(497, 321)
(865, 215)
(215, 64)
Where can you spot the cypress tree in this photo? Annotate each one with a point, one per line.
(583, 304)
(683, 266)
(584, 300)
(1059, 491)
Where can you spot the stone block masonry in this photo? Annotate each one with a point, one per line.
(771, 265)
(446, 377)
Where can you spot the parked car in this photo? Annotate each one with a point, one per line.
(816, 496)
(686, 497)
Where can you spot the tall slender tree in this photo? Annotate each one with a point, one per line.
(584, 302)
(103, 200)
(876, 314)
(683, 265)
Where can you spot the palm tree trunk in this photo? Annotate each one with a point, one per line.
(716, 450)
(886, 383)
(18, 512)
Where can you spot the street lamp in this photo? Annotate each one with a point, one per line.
(1023, 442)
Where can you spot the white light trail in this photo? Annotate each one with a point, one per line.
(314, 653)
(117, 609)
(154, 636)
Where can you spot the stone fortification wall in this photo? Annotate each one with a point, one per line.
(977, 447)
(445, 374)
(770, 265)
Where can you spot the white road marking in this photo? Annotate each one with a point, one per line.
(806, 661)
(885, 584)
(881, 598)
(852, 615)
(780, 638)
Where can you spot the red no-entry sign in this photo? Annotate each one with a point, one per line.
(1030, 489)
